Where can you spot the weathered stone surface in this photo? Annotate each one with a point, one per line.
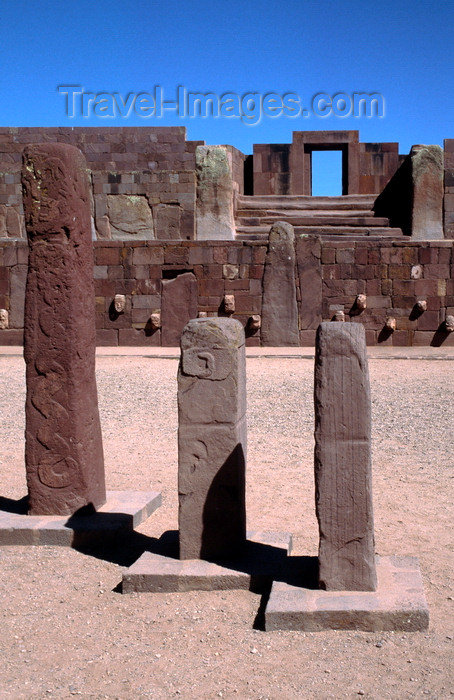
(212, 439)
(427, 182)
(215, 218)
(343, 473)
(63, 452)
(168, 221)
(3, 229)
(13, 223)
(179, 305)
(130, 217)
(4, 319)
(308, 255)
(279, 308)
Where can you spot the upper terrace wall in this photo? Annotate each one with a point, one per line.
(155, 164)
(286, 168)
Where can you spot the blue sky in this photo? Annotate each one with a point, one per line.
(403, 51)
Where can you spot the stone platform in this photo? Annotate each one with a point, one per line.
(397, 604)
(263, 558)
(122, 512)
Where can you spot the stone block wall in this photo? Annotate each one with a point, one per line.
(147, 161)
(329, 276)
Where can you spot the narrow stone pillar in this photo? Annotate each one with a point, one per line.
(212, 439)
(427, 189)
(343, 472)
(279, 307)
(63, 444)
(215, 217)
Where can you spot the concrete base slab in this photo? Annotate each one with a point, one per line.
(122, 512)
(262, 559)
(397, 604)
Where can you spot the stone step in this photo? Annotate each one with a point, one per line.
(252, 233)
(286, 213)
(308, 220)
(273, 201)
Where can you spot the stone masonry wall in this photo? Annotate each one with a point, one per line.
(393, 276)
(155, 162)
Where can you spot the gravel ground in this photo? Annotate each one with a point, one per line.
(67, 630)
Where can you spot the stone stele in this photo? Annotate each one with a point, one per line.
(343, 473)
(279, 308)
(212, 439)
(63, 444)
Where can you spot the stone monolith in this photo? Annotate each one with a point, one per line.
(427, 188)
(215, 215)
(343, 473)
(63, 444)
(279, 307)
(212, 439)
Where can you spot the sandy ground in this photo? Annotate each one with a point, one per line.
(68, 631)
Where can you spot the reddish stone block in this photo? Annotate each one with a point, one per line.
(444, 255)
(437, 272)
(429, 321)
(428, 256)
(374, 256)
(211, 287)
(11, 336)
(220, 254)
(200, 255)
(213, 272)
(364, 272)
(422, 338)
(176, 255)
(404, 287)
(147, 255)
(256, 272)
(402, 338)
(108, 256)
(372, 287)
(328, 256)
(258, 255)
(345, 255)
(399, 272)
(426, 288)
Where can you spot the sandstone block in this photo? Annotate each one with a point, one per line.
(130, 216)
(179, 305)
(343, 459)
(214, 209)
(212, 439)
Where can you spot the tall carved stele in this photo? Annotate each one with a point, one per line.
(212, 439)
(63, 443)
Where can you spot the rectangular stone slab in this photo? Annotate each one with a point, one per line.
(342, 459)
(122, 512)
(398, 603)
(263, 557)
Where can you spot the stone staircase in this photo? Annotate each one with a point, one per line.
(349, 216)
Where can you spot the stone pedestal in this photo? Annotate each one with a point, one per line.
(63, 453)
(343, 473)
(212, 439)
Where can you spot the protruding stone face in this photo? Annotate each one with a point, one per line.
(339, 316)
(254, 323)
(361, 302)
(421, 305)
(390, 324)
(212, 439)
(119, 303)
(343, 459)
(155, 320)
(63, 454)
(449, 324)
(229, 304)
